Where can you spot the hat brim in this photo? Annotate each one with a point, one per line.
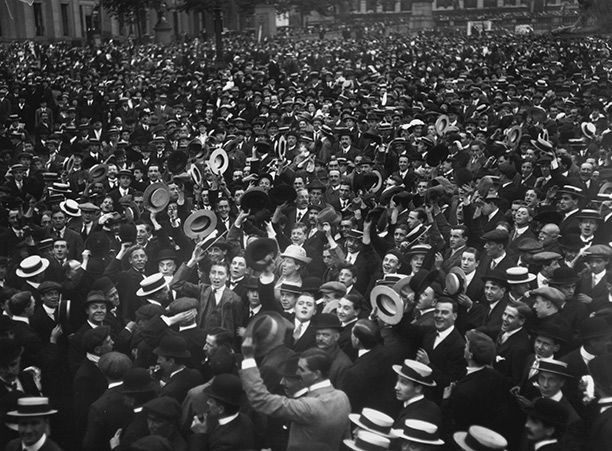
(560, 373)
(150, 191)
(349, 443)
(218, 169)
(305, 260)
(390, 314)
(177, 355)
(398, 370)
(66, 211)
(17, 414)
(442, 124)
(196, 216)
(142, 292)
(399, 433)
(354, 417)
(530, 278)
(23, 275)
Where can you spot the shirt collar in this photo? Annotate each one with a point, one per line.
(151, 301)
(493, 213)
(350, 322)
(36, 446)
(586, 356)
(445, 333)
(512, 332)
(322, 384)
(255, 309)
(413, 400)
(191, 326)
(115, 384)
(362, 352)
(557, 396)
(500, 258)
(473, 369)
(21, 319)
(176, 372)
(542, 443)
(223, 421)
(92, 357)
(50, 311)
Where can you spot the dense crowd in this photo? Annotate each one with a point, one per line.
(392, 242)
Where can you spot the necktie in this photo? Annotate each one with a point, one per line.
(251, 313)
(593, 282)
(534, 369)
(500, 339)
(493, 264)
(213, 294)
(299, 217)
(297, 331)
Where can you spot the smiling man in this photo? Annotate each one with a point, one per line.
(32, 416)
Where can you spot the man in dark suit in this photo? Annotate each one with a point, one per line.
(495, 300)
(513, 342)
(480, 397)
(594, 283)
(546, 421)
(442, 349)
(20, 307)
(110, 411)
(89, 382)
(60, 231)
(496, 257)
(226, 427)
(304, 332)
(490, 216)
(413, 378)
(600, 434)
(33, 425)
(569, 200)
(457, 244)
(369, 382)
(172, 356)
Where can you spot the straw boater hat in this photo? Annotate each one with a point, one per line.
(71, 208)
(366, 441)
(156, 197)
(416, 371)
(419, 431)
(151, 284)
(35, 406)
(519, 275)
(390, 307)
(373, 421)
(32, 266)
(479, 438)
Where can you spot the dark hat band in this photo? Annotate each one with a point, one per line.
(471, 441)
(370, 424)
(419, 435)
(367, 446)
(36, 408)
(411, 373)
(518, 277)
(33, 269)
(153, 287)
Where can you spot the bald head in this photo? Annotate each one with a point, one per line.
(548, 234)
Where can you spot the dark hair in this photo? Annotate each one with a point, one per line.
(222, 263)
(317, 360)
(367, 332)
(421, 215)
(522, 309)
(349, 267)
(472, 250)
(447, 300)
(461, 227)
(19, 302)
(223, 337)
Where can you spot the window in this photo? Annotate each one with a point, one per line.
(65, 23)
(39, 26)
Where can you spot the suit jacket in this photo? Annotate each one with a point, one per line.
(306, 341)
(228, 313)
(452, 258)
(107, 414)
(74, 242)
(482, 398)
(423, 409)
(368, 382)
(512, 355)
(127, 283)
(179, 384)
(493, 320)
(446, 360)
(599, 292)
(345, 341)
(48, 445)
(600, 434)
(318, 418)
(31, 342)
(89, 385)
(196, 339)
(577, 368)
(507, 262)
(238, 434)
(570, 225)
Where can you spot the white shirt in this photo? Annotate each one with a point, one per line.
(570, 213)
(498, 259)
(218, 294)
(176, 372)
(586, 356)
(542, 281)
(413, 400)
(469, 277)
(191, 326)
(351, 257)
(493, 213)
(361, 352)
(225, 420)
(254, 310)
(92, 357)
(440, 336)
(539, 445)
(350, 322)
(300, 214)
(597, 277)
(49, 311)
(473, 369)
(22, 319)
(115, 384)
(304, 326)
(322, 384)
(36, 446)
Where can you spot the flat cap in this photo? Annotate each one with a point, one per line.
(149, 311)
(182, 305)
(165, 407)
(497, 236)
(49, 285)
(481, 346)
(337, 288)
(598, 250)
(545, 256)
(95, 337)
(551, 294)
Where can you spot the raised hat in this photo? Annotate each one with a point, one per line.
(368, 441)
(267, 328)
(442, 124)
(388, 303)
(260, 253)
(422, 279)
(172, 346)
(165, 407)
(281, 193)
(151, 284)
(297, 253)
(416, 371)
(70, 207)
(156, 197)
(479, 438)
(455, 281)
(518, 275)
(419, 431)
(200, 223)
(373, 421)
(218, 161)
(329, 215)
(32, 266)
(254, 199)
(32, 406)
(552, 366)
(226, 388)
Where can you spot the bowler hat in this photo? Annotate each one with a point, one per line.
(200, 223)
(138, 380)
(260, 253)
(177, 161)
(563, 276)
(282, 193)
(496, 276)
(290, 288)
(226, 388)
(327, 321)
(289, 367)
(594, 327)
(554, 330)
(164, 407)
(388, 303)
(254, 200)
(548, 411)
(173, 346)
(156, 197)
(166, 254)
(422, 279)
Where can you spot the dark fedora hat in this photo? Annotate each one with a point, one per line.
(327, 321)
(563, 276)
(226, 388)
(200, 223)
(172, 346)
(557, 331)
(127, 233)
(267, 328)
(260, 253)
(254, 199)
(282, 193)
(138, 380)
(177, 161)
(495, 276)
(595, 327)
(156, 197)
(166, 254)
